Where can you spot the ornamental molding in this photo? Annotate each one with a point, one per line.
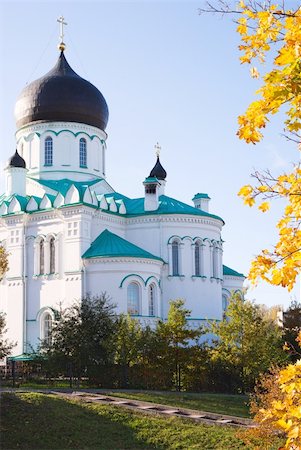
(45, 126)
(14, 220)
(181, 219)
(108, 217)
(125, 259)
(232, 277)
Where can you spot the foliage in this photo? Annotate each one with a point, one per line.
(5, 345)
(261, 29)
(270, 33)
(82, 337)
(127, 345)
(292, 327)
(63, 424)
(246, 343)
(177, 338)
(3, 262)
(277, 402)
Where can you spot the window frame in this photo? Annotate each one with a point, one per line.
(133, 305)
(52, 255)
(42, 257)
(152, 300)
(83, 153)
(48, 151)
(175, 258)
(46, 318)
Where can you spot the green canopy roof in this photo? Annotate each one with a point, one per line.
(109, 245)
(228, 271)
(23, 357)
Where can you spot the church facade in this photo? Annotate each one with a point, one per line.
(68, 233)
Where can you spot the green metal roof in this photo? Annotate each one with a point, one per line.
(228, 271)
(200, 195)
(110, 245)
(63, 185)
(134, 207)
(167, 205)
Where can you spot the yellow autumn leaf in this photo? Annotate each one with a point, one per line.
(264, 206)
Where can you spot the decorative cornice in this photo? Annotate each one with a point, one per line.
(175, 218)
(123, 259)
(43, 127)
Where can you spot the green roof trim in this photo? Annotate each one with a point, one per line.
(110, 245)
(64, 185)
(200, 195)
(230, 272)
(151, 180)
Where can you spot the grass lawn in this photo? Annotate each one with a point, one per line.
(235, 405)
(39, 421)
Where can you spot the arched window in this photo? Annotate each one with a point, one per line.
(46, 328)
(48, 153)
(224, 303)
(83, 152)
(214, 262)
(42, 257)
(133, 298)
(51, 255)
(152, 300)
(175, 258)
(197, 259)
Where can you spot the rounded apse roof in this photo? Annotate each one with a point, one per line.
(61, 95)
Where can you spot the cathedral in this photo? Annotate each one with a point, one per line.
(68, 233)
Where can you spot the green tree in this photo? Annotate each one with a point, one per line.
(292, 327)
(176, 338)
(245, 342)
(127, 345)
(3, 262)
(5, 345)
(82, 338)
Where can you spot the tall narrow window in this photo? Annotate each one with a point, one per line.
(47, 328)
(224, 302)
(175, 258)
(197, 259)
(151, 300)
(133, 298)
(42, 258)
(48, 151)
(83, 152)
(215, 262)
(52, 255)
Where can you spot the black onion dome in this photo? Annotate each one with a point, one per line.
(158, 171)
(16, 161)
(61, 95)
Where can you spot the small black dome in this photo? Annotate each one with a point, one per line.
(158, 171)
(16, 161)
(61, 95)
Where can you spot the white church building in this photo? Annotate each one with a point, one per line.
(68, 233)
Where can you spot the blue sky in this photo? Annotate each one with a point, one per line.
(168, 75)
